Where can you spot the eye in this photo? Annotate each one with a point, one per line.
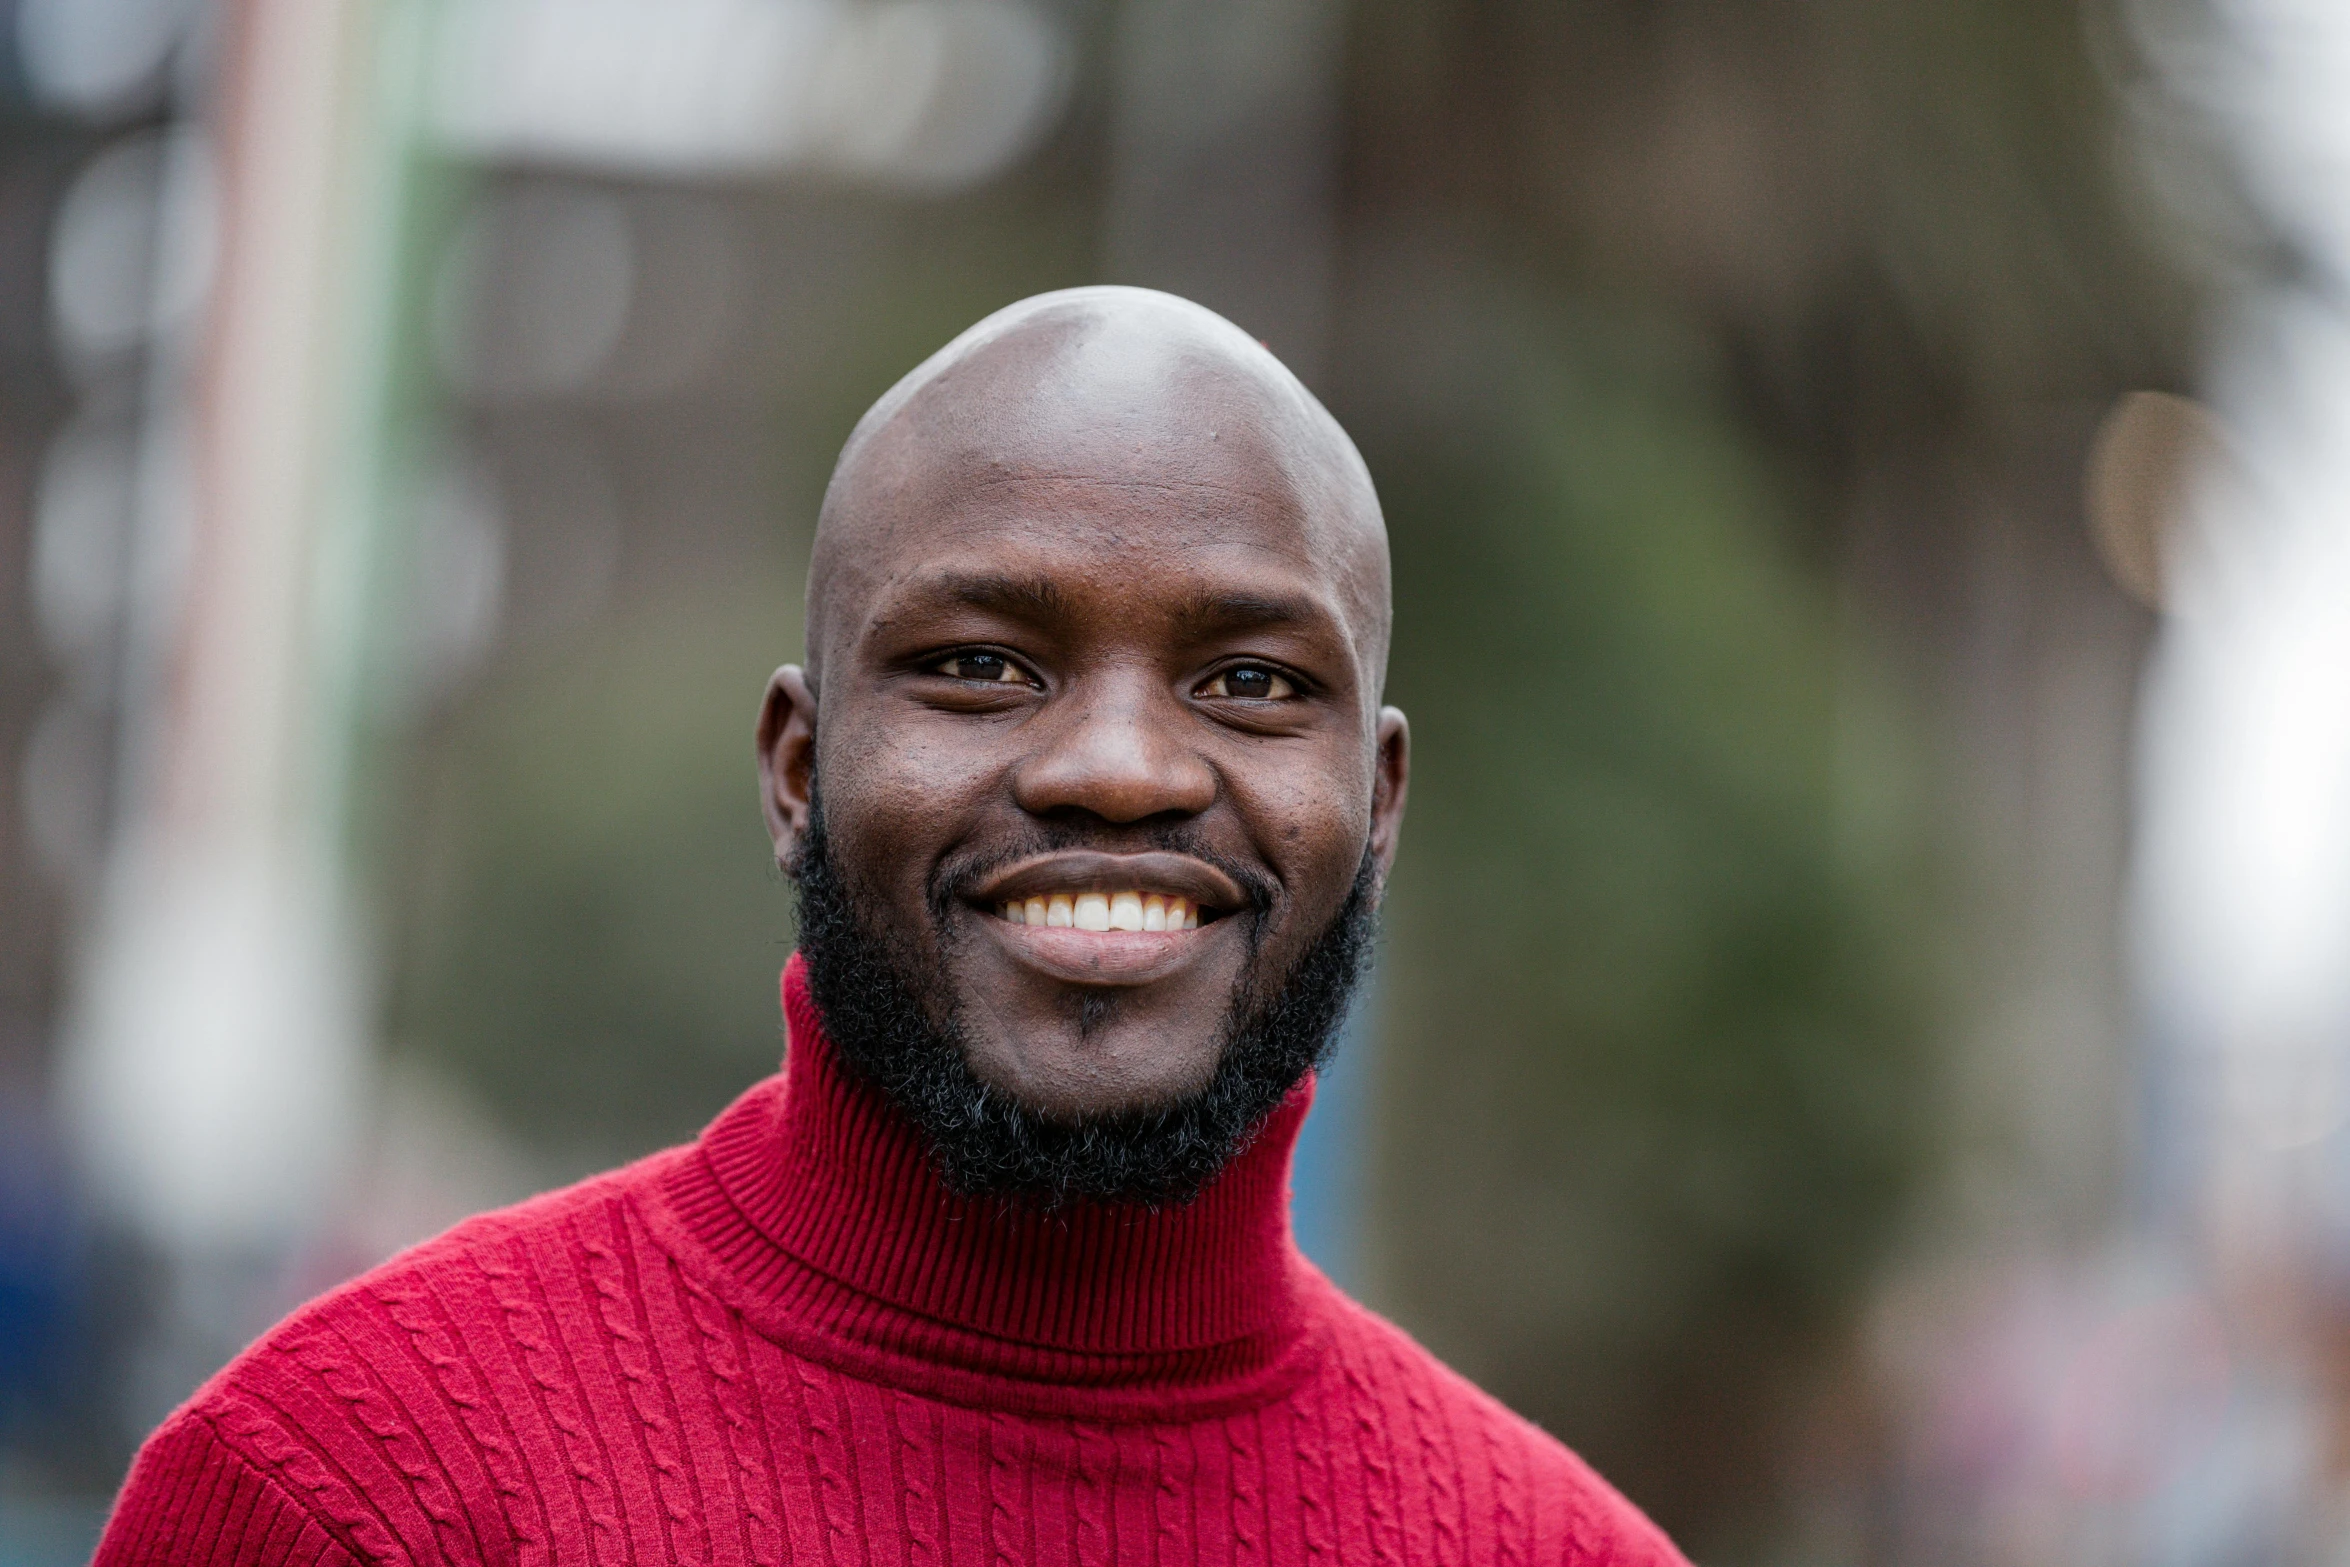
(1249, 683)
(993, 668)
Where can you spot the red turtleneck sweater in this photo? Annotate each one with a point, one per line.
(789, 1343)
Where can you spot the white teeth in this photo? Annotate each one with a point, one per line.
(1103, 911)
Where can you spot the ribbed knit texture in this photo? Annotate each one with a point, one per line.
(788, 1343)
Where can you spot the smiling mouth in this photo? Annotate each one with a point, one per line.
(1109, 895)
(1128, 910)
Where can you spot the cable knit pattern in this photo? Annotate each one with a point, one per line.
(788, 1345)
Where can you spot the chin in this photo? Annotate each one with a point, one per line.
(1086, 1062)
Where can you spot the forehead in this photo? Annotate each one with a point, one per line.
(1126, 560)
(1137, 480)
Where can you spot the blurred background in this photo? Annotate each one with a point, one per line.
(1860, 1044)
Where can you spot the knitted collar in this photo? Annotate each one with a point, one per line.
(830, 1227)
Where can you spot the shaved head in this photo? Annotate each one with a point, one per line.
(1097, 625)
(1074, 385)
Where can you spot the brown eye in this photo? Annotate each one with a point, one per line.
(993, 667)
(1249, 683)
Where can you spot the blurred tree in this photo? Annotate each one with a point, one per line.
(1659, 1024)
(597, 926)
(1726, 370)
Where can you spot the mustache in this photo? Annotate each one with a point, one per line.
(952, 879)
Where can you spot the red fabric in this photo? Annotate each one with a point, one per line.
(788, 1343)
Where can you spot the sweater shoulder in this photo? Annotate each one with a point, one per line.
(449, 1276)
(548, 1218)
(1532, 1477)
(381, 1407)
(217, 1488)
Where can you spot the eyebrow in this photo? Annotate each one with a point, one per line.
(1022, 598)
(1202, 615)
(1212, 613)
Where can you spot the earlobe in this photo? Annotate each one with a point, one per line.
(786, 744)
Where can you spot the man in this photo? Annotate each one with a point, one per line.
(1089, 799)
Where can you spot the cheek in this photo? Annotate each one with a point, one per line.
(892, 802)
(1314, 833)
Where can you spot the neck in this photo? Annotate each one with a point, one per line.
(840, 1217)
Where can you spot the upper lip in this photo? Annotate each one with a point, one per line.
(1073, 871)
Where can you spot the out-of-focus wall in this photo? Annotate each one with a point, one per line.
(1748, 1091)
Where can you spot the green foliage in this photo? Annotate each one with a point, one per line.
(599, 926)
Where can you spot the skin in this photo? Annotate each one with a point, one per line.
(1099, 598)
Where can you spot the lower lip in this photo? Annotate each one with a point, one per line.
(1102, 957)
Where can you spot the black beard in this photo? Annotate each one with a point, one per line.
(893, 1018)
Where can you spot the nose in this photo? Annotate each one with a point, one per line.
(1116, 749)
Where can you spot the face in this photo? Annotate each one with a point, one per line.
(1096, 719)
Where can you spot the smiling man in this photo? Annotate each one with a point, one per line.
(1090, 799)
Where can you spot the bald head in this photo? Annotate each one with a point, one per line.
(1126, 392)
(1097, 620)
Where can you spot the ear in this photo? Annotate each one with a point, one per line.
(787, 757)
(1391, 780)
